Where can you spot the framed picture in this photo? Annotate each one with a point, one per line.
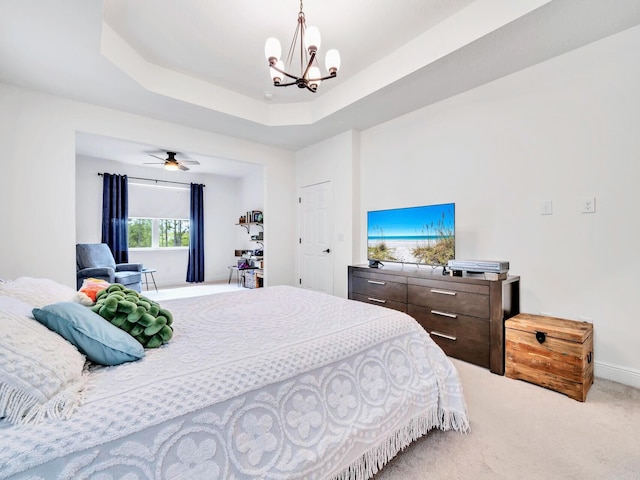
(256, 216)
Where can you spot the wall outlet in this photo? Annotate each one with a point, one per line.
(546, 207)
(589, 205)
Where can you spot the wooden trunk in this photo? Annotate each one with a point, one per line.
(551, 352)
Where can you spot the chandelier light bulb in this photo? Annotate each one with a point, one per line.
(314, 77)
(272, 50)
(276, 76)
(332, 61)
(312, 39)
(314, 73)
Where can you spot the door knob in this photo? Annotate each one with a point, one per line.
(328, 250)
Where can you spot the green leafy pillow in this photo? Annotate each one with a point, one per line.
(136, 314)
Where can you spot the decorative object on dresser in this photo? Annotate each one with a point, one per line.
(493, 267)
(551, 352)
(464, 315)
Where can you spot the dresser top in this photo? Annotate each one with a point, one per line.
(427, 272)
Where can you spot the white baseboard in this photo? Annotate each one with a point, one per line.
(618, 374)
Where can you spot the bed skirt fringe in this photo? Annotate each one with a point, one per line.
(377, 457)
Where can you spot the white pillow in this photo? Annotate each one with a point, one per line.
(41, 374)
(37, 291)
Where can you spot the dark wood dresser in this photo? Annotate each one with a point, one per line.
(464, 315)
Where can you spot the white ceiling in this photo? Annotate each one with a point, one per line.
(201, 63)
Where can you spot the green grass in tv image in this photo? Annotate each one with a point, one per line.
(436, 252)
(380, 251)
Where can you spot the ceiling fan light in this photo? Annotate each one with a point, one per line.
(272, 50)
(332, 61)
(171, 166)
(312, 39)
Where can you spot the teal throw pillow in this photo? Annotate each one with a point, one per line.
(100, 341)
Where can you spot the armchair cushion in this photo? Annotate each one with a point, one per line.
(131, 280)
(97, 272)
(90, 255)
(133, 267)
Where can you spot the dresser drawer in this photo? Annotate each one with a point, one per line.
(449, 300)
(400, 306)
(381, 288)
(460, 336)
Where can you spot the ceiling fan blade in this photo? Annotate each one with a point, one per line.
(182, 167)
(154, 163)
(155, 156)
(190, 162)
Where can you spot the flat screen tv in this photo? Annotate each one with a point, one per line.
(417, 235)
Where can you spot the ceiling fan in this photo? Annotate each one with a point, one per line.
(172, 163)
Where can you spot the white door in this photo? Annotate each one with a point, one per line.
(316, 264)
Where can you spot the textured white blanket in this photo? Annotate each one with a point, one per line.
(269, 383)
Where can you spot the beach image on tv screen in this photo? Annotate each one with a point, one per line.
(421, 235)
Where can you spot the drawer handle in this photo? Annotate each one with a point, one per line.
(444, 314)
(444, 335)
(377, 300)
(443, 292)
(375, 282)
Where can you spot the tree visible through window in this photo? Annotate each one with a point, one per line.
(140, 233)
(158, 232)
(174, 233)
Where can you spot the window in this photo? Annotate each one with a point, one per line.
(158, 232)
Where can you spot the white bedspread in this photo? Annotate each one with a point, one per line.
(273, 383)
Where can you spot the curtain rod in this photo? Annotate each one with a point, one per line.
(154, 180)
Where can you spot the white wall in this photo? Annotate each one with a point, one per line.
(334, 161)
(221, 197)
(563, 130)
(37, 185)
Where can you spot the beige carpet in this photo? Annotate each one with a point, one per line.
(522, 431)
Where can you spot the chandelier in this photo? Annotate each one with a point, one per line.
(306, 41)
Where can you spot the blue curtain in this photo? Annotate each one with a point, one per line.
(195, 270)
(115, 213)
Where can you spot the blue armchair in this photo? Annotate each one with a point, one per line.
(95, 260)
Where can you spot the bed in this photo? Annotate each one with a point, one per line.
(272, 383)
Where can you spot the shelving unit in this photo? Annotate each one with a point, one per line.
(248, 225)
(254, 277)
